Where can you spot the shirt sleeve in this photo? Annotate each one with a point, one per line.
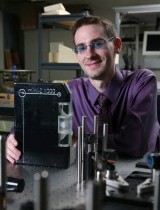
(139, 129)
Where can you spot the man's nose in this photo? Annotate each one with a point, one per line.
(89, 50)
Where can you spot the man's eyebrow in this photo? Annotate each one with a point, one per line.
(80, 44)
(93, 40)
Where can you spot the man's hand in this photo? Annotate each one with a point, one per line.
(12, 153)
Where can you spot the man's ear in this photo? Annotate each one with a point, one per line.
(117, 45)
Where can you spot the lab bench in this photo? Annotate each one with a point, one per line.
(63, 191)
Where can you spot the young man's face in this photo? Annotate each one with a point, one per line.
(96, 63)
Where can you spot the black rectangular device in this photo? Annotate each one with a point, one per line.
(43, 123)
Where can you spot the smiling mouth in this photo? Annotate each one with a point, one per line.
(93, 63)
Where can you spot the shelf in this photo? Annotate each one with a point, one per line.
(63, 66)
(60, 66)
(126, 25)
(17, 71)
(135, 20)
(65, 22)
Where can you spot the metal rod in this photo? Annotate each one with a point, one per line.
(84, 128)
(157, 191)
(40, 191)
(44, 190)
(93, 200)
(84, 125)
(37, 199)
(96, 133)
(79, 154)
(89, 167)
(153, 174)
(105, 137)
(95, 124)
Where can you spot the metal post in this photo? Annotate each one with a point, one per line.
(96, 133)
(157, 192)
(105, 137)
(79, 154)
(40, 191)
(84, 124)
(93, 199)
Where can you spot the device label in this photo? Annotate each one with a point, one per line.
(39, 91)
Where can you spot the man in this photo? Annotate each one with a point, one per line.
(132, 96)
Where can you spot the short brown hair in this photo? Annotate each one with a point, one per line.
(88, 20)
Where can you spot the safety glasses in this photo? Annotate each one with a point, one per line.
(95, 45)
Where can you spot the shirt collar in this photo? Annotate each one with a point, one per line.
(111, 92)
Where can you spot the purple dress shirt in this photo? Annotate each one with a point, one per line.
(134, 110)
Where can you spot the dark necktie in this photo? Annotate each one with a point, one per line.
(104, 114)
